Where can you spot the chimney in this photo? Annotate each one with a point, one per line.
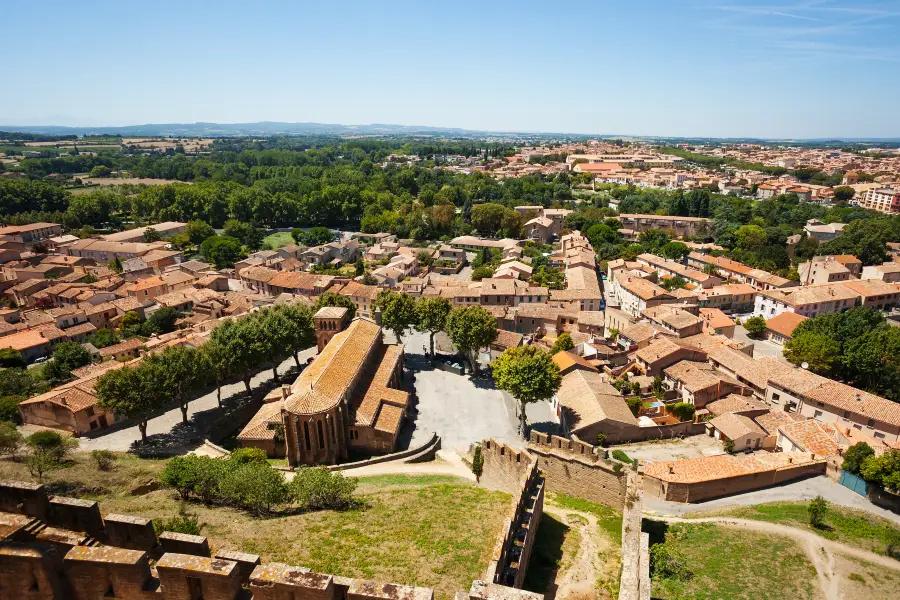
(858, 397)
(671, 470)
(285, 391)
(790, 460)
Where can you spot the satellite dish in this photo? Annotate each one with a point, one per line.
(804, 365)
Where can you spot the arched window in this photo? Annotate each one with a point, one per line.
(321, 435)
(306, 434)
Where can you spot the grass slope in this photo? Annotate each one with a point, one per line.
(277, 240)
(730, 564)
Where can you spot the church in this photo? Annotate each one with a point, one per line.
(350, 398)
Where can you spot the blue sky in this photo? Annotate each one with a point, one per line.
(661, 67)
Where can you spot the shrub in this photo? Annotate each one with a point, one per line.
(9, 408)
(183, 522)
(56, 446)
(755, 326)
(478, 463)
(193, 475)
(634, 404)
(10, 438)
(105, 459)
(601, 439)
(729, 446)
(818, 508)
(684, 411)
(315, 488)
(621, 456)
(255, 487)
(243, 456)
(669, 562)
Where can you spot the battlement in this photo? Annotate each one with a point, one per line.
(573, 446)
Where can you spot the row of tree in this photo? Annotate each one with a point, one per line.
(236, 350)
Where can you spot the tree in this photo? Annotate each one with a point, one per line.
(528, 374)
(316, 236)
(398, 312)
(424, 258)
(125, 392)
(634, 404)
(883, 470)
(658, 388)
(563, 342)
(70, 356)
(335, 299)
(160, 321)
(820, 352)
(296, 328)
(221, 250)
(100, 171)
(431, 316)
(247, 233)
(674, 250)
(844, 193)
(471, 328)
(256, 487)
(855, 456)
(673, 283)
(482, 272)
(477, 463)
(47, 449)
(10, 438)
(818, 508)
(151, 235)
(198, 231)
(755, 326)
(185, 371)
(235, 355)
(750, 237)
(11, 358)
(104, 337)
(317, 488)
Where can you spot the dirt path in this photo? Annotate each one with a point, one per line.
(579, 580)
(820, 551)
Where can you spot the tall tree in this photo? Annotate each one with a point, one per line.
(471, 328)
(528, 374)
(398, 312)
(122, 391)
(431, 316)
(185, 371)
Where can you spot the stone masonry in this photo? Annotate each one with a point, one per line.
(114, 559)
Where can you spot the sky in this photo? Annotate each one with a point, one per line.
(712, 68)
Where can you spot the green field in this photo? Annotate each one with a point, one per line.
(732, 564)
(277, 240)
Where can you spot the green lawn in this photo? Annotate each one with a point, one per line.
(277, 240)
(845, 525)
(733, 564)
(609, 520)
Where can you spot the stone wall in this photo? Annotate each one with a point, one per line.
(634, 583)
(504, 467)
(579, 469)
(44, 568)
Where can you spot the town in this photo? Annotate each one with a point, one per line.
(613, 328)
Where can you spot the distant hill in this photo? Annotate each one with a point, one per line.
(268, 128)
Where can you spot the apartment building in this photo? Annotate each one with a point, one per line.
(165, 231)
(679, 226)
(737, 271)
(808, 301)
(822, 269)
(888, 272)
(636, 294)
(884, 200)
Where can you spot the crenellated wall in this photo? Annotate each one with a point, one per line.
(517, 473)
(579, 469)
(113, 561)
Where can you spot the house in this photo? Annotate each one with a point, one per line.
(24, 237)
(717, 322)
(664, 352)
(149, 288)
(293, 282)
(698, 383)
(257, 278)
(72, 407)
(843, 406)
(823, 269)
(589, 406)
(103, 252)
(780, 329)
(505, 340)
(636, 294)
(875, 294)
(675, 320)
(807, 436)
(888, 272)
(678, 226)
(569, 361)
(814, 228)
(737, 271)
(741, 431)
(34, 343)
(538, 230)
(694, 277)
(124, 351)
(363, 297)
(729, 298)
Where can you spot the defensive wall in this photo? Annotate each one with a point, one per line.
(576, 468)
(63, 549)
(634, 582)
(517, 473)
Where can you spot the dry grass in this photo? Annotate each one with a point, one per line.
(438, 535)
(82, 479)
(432, 531)
(862, 579)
